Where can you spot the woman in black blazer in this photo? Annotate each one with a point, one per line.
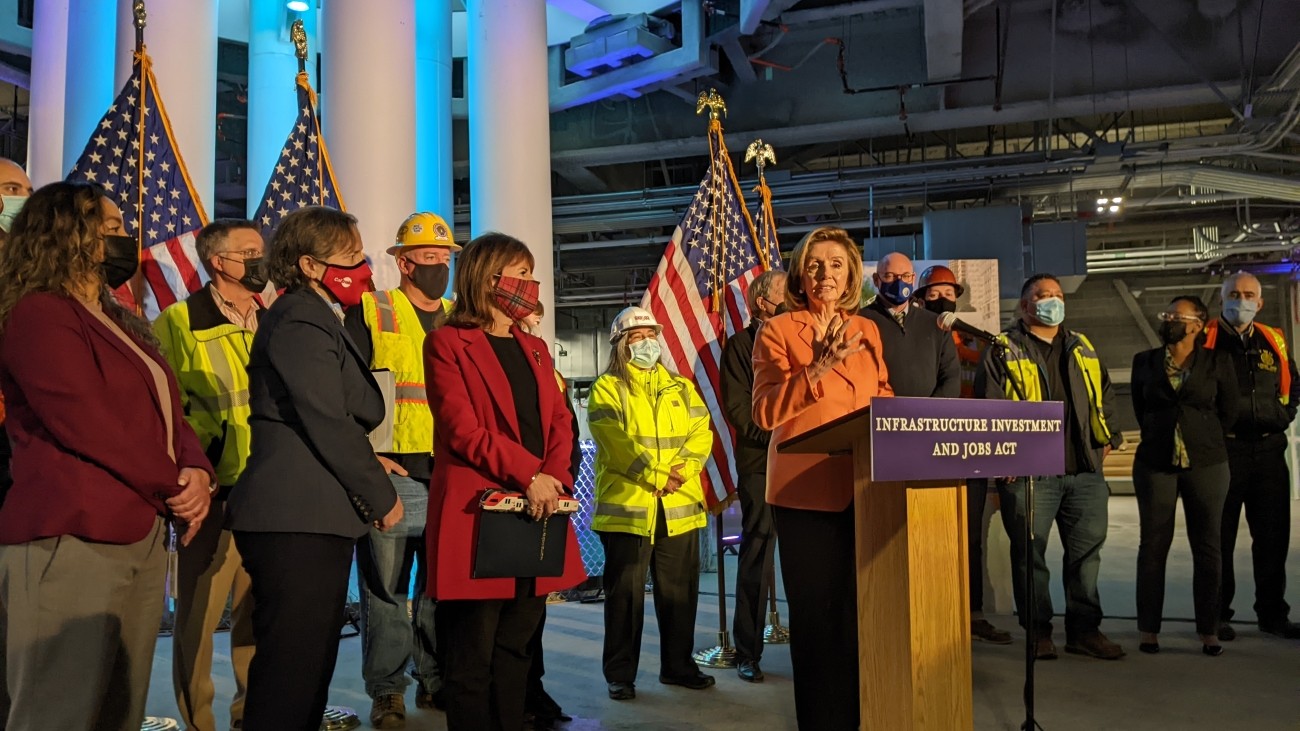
(1185, 399)
(312, 485)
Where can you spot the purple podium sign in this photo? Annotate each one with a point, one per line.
(951, 439)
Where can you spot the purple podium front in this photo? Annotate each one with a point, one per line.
(910, 506)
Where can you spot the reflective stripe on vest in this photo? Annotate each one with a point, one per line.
(220, 365)
(398, 339)
(1085, 357)
(1277, 341)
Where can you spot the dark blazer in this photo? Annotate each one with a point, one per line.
(311, 469)
(738, 401)
(922, 359)
(89, 444)
(1205, 407)
(478, 446)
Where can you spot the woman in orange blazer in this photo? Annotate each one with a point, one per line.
(812, 365)
(501, 422)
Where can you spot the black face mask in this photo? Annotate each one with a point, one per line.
(940, 306)
(1172, 332)
(121, 259)
(430, 279)
(781, 309)
(254, 279)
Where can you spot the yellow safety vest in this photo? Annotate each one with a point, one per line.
(641, 431)
(211, 366)
(398, 340)
(1026, 371)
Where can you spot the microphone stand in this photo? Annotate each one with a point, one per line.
(1000, 349)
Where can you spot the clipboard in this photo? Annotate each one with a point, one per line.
(381, 438)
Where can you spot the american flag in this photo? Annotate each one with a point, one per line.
(302, 176)
(698, 295)
(765, 226)
(133, 156)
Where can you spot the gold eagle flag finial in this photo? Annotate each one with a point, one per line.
(712, 101)
(761, 154)
(141, 17)
(298, 34)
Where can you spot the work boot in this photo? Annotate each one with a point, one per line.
(1094, 644)
(388, 711)
(983, 630)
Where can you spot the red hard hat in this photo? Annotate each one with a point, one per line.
(938, 274)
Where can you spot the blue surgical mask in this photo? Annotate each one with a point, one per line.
(1050, 311)
(1240, 312)
(645, 353)
(896, 292)
(12, 205)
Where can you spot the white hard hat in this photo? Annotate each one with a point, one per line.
(630, 319)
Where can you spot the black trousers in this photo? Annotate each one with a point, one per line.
(1261, 484)
(486, 659)
(1203, 490)
(674, 565)
(818, 570)
(976, 498)
(754, 566)
(537, 662)
(300, 585)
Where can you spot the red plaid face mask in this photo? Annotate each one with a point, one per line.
(516, 297)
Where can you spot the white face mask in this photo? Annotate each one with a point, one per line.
(645, 353)
(1240, 312)
(12, 205)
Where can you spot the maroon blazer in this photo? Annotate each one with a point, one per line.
(477, 443)
(90, 457)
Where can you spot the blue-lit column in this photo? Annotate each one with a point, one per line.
(510, 131)
(182, 41)
(368, 80)
(49, 75)
(272, 96)
(433, 155)
(433, 152)
(90, 88)
(125, 42)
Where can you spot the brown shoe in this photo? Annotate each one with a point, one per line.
(1094, 644)
(1044, 648)
(388, 711)
(983, 630)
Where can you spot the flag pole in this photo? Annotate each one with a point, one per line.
(298, 34)
(137, 285)
(722, 655)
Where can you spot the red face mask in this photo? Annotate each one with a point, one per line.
(347, 284)
(516, 297)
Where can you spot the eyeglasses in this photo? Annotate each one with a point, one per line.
(244, 255)
(1175, 317)
(909, 277)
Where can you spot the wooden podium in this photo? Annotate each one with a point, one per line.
(913, 589)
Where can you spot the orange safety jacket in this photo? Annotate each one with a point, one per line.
(1276, 340)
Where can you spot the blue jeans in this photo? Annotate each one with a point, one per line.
(1078, 505)
(392, 640)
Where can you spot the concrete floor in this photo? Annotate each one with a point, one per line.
(1254, 685)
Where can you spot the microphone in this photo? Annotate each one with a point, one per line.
(948, 322)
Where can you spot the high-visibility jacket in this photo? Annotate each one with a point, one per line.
(209, 355)
(968, 357)
(398, 340)
(1276, 341)
(1087, 383)
(642, 428)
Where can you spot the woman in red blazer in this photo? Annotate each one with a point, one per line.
(102, 457)
(501, 423)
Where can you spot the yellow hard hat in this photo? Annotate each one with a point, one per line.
(423, 229)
